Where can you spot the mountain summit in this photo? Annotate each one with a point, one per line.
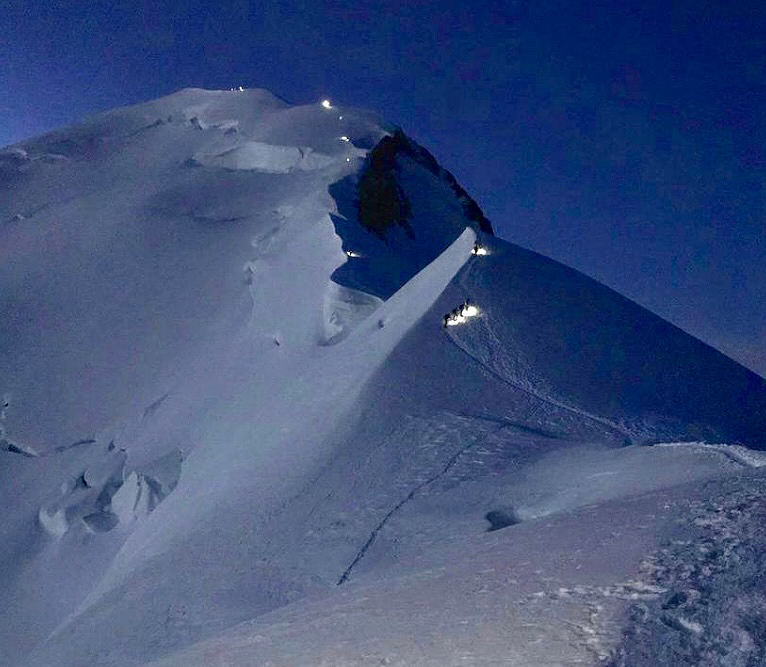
(256, 355)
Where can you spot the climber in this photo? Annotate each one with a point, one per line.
(468, 309)
(478, 250)
(461, 314)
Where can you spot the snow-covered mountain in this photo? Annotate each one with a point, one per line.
(244, 423)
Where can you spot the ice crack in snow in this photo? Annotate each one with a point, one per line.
(375, 531)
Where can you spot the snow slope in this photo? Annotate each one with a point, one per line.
(229, 396)
(638, 581)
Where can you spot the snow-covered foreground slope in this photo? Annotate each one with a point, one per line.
(662, 578)
(230, 397)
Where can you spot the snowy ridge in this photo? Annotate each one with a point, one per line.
(229, 386)
(747, 457)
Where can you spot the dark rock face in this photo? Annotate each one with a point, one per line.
(382, 203)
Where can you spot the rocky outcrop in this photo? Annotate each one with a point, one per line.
(383, 203)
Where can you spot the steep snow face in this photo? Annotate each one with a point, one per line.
(228, 383)
(170, 333)
(157, 229)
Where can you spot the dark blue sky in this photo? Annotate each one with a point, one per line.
(626, 139)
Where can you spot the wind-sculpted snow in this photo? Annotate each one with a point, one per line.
(170, 556)
(344, 309)
(226, 400)
(107, 493)
(258, 156)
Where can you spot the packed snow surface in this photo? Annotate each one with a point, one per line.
(239, 427)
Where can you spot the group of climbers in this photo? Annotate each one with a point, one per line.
(460, 314)
(465, 309)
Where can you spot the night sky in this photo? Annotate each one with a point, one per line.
(626, 139)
